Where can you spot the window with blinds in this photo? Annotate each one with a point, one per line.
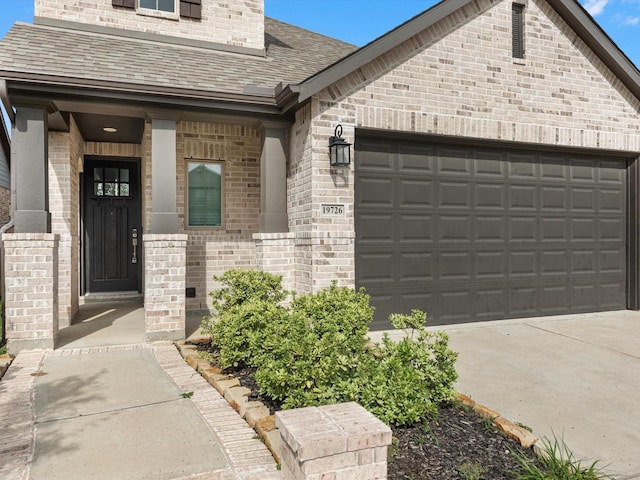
(204, 208)
(517, 30)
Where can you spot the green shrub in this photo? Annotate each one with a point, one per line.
(412, 377)
(245, 303)
(312, 356)
(316, 351)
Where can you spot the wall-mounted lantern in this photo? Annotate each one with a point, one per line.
(339, 150)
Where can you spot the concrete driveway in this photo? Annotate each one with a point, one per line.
(577, 376)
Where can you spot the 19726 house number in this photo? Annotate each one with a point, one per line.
(332, 210)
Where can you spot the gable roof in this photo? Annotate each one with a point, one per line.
(570, 10)
(73, 57)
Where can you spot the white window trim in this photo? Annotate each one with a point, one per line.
(150, 12)
(222, 194)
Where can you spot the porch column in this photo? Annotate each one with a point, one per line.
(273, 179)
(164, 286)
(29, 158)
(31, 290)
(164, 215)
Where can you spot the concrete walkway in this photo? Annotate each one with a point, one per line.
(119, 413)
(577, 376)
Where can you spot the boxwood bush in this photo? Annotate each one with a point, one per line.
(316, 351)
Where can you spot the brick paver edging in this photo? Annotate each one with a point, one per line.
(17, 415)
(248, 457)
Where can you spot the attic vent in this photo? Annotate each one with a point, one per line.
(517, 30)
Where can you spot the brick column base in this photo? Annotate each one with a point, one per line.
(334, 441)
(31, 290)
(165, 269)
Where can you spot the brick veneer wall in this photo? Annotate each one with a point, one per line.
(65, 152)
(458, 79)
(212, 251)
(229, 23)
(31, 290)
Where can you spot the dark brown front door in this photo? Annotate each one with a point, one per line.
(111, 216)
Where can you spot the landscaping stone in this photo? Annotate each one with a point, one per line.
(511, 430)
(254, 414)
(222, 385)
(237, 396)
(273, 441)
(264, 425)
(5, 361)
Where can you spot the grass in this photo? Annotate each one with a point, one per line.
(556, 462)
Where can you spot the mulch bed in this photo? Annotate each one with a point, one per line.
(455, 441)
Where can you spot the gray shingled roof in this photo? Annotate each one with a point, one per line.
(293, 54)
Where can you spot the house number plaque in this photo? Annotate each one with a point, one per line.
(332, 210)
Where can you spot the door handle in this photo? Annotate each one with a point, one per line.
(134, 244)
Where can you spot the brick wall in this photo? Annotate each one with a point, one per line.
(164, 299)
(65, 153)
(238, 23)
(457, 79)
(31, 290)
(212, 251)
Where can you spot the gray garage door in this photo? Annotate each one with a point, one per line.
(478, 233)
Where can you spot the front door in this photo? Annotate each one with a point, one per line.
(111, 216)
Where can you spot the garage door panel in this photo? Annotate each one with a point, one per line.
(523, 301)
(611, 200)
(612, 229)
(377, 192)
(554, 229)
(455, 306)
(454, 228)
(415, 192)
(523, 166)
(491, 303)
(455, 265)
(523, 229)
(553, 169)
(416, 159)
(416, 228)
(454, 194)
(611, 261)
(453, 162)
(487, 233)
(490, 229)
(490, 164)
(416, 266)
(376, 156)
(554, 198)
(379, 268)
(491, 265)
(523, 264)
(583, 230)
(611, 294)
(554, 299)
(583, 261)
(583, 199)
(490, 196)
(612, 173)
(582, 171)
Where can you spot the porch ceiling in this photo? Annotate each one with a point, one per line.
(128, 129)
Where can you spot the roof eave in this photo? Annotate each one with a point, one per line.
(36, 84)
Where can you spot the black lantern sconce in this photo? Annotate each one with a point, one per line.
(339, 150)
